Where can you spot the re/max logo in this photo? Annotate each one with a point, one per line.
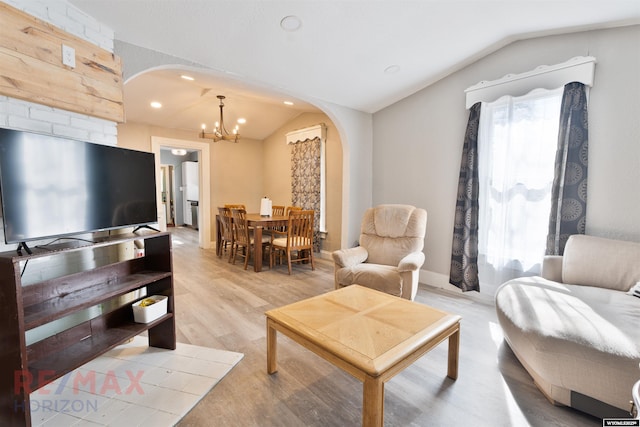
(24, 381)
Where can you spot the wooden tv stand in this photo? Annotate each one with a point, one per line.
(25, 368)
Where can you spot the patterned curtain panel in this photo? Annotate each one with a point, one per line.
(569, 192)
(305, 180)
(464, 249)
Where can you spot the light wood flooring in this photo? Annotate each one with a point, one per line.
(222, 306)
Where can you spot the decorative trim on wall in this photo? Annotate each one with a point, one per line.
(32, 68)
(310, 133)
(579, 69)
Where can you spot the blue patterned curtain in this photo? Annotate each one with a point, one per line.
(464, 248)
(569, 192)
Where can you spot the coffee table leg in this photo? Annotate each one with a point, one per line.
(373, 402)
(272, 347)
(454, 349)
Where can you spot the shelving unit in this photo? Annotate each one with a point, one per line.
(25, 368)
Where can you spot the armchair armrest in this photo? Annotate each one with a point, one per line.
(411, 262)
(552, 268)
(350, 257)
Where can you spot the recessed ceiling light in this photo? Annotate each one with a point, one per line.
(290, 23)
(156, 104)
(392, 69)
(184, 76)
(178, 151)
(288, 103)
(242, 120)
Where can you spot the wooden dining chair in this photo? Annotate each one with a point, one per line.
(243, 237)
(275, 211)
(298, 238)
(278, 231)
(291, 208)
(226, 230)
(237, 206)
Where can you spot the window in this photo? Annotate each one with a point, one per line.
(528, 123)
(517, 142)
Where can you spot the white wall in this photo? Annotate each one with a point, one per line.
(417, 142)
(355, 129)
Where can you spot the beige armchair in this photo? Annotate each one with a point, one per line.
(390, 253)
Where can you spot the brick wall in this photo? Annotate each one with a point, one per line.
(22, 115)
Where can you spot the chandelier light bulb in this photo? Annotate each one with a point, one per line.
(220, 131)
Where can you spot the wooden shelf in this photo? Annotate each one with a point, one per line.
(74, 245)
(38, 304)
(57, 364)
(58, 307)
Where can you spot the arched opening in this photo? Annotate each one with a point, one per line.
(244, 172)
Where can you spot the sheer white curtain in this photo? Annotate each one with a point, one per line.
(517, 142)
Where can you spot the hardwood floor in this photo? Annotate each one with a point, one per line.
(222, 306)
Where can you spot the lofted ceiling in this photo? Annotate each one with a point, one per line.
(187, 104)
(364, 55)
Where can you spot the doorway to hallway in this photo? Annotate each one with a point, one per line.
(199, 152)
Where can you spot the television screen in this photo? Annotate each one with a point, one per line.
(54, 186)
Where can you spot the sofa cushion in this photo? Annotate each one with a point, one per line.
(579, 338)
(596, 261)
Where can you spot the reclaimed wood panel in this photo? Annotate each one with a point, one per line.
(31, 68)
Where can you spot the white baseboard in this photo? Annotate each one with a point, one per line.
(437, 280)
(441, 281)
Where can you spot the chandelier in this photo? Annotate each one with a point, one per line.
(220, 131)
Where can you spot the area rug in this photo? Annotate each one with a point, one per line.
(133, 385)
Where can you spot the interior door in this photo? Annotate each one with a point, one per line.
(168, 194)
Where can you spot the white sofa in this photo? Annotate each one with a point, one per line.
(576, 329)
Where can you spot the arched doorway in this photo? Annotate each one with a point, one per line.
(354, 130)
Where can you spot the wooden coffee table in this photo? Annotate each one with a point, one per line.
(369, 334)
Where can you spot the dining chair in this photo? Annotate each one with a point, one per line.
(243, 237)
(291, 208)
(282, 229)
(236, 206)
(298, 238)
(226, 233)
(275, 211)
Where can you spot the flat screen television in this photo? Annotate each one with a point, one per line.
(53, 187)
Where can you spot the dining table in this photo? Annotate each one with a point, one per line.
(258, 223)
